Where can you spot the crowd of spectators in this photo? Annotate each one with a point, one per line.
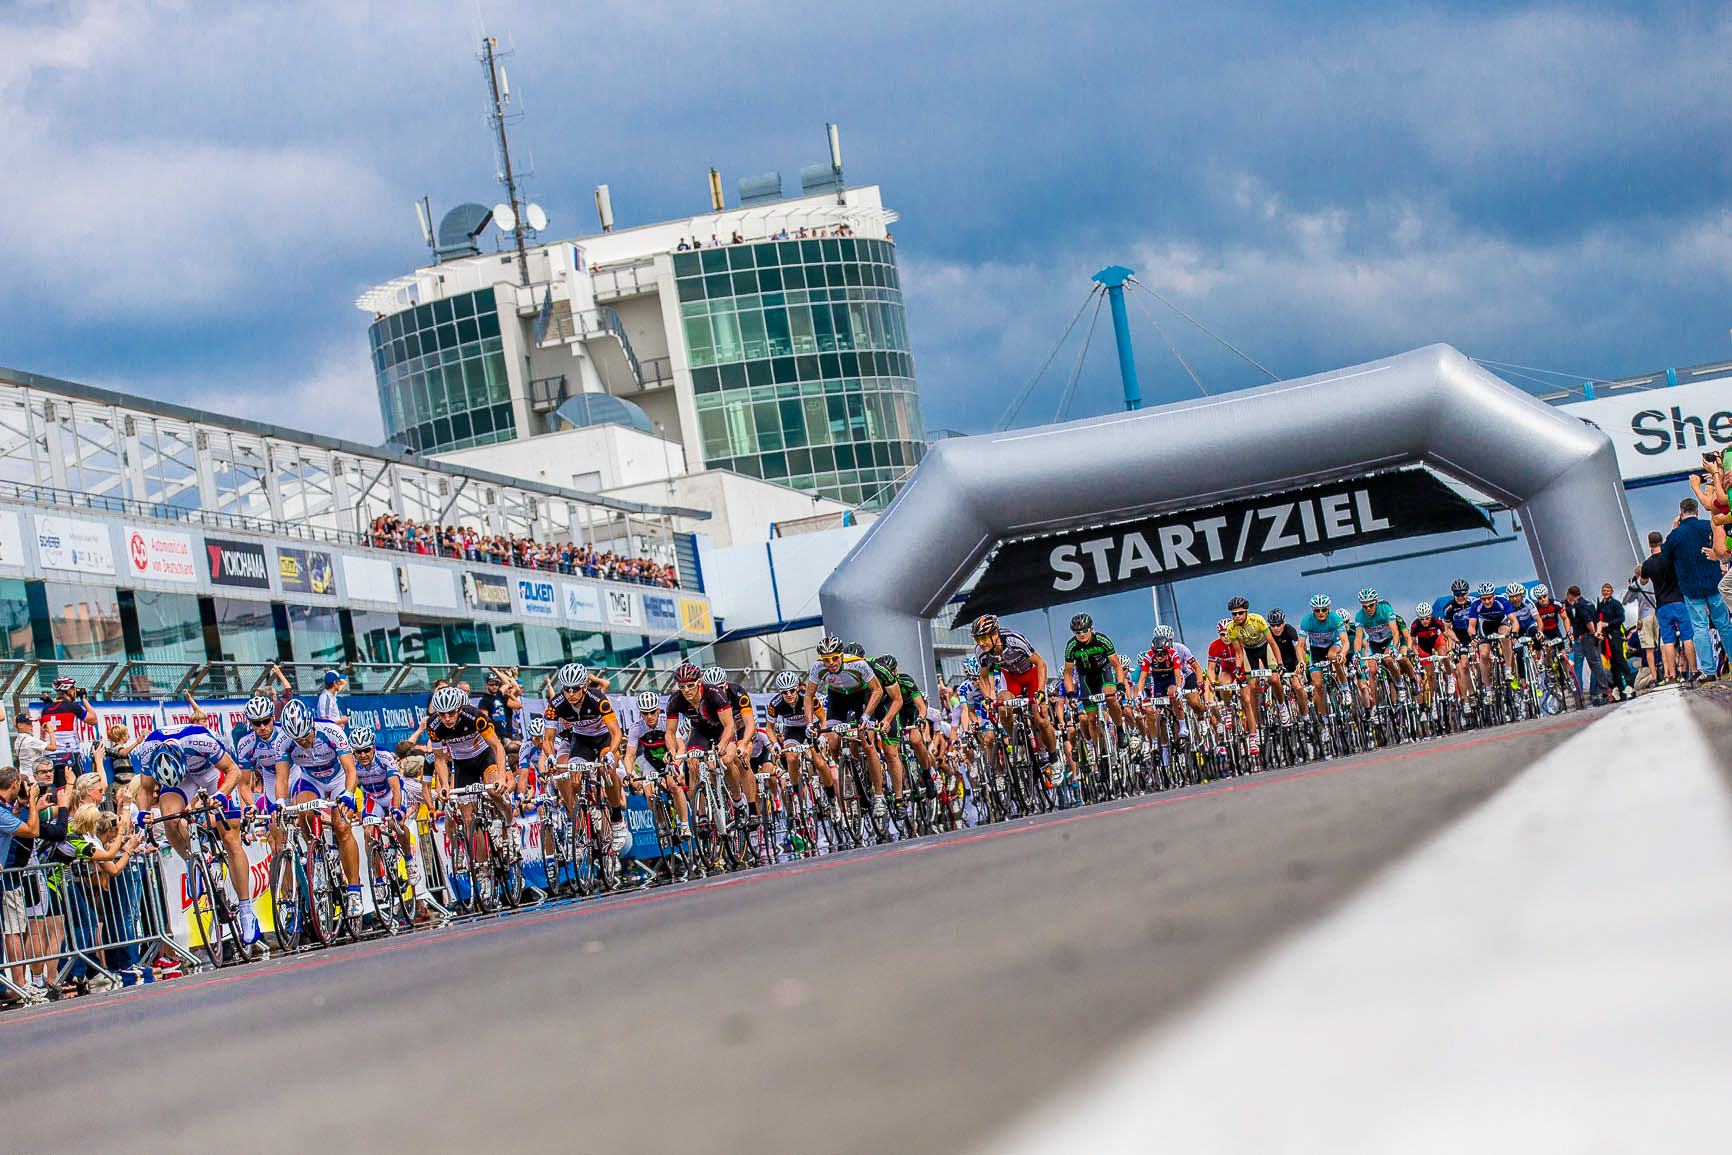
(800, 234)
(463, 542)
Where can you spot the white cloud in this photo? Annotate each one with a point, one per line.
(337, 396)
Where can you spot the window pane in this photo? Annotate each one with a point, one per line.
(698, 342)
(776, 327)
(741, 436)
(84, 621)
(769, 425)
(15, 636)
(727, 334)
(713, 428)
(752, 337)
(245, 631)
(169, 627)
(817, 421)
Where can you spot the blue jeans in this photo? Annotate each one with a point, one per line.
(121, 914)
(83, 927)
(1705, 612)
(1675, 627)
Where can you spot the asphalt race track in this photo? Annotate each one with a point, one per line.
(921, 997)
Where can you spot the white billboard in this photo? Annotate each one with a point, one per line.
(623, 608)
(582, 603)
(534, 598)
(160, 554)
(1663, 431)
(431, 587)
(70, 544)
(370, 579)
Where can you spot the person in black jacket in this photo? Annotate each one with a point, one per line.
(1585, 628)
(1611, 615)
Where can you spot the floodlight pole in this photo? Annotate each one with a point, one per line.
(1113, 278)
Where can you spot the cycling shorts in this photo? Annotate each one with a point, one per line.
(849, 708)
(583, 747)
(231, 809)
(1094, 683)
(1487, 639)
(330, 789)
(1027, 684)
(193, 781)
(1318, 657)
(1257, 657)
(1162, 683)
(1378, 647)
(471, 771)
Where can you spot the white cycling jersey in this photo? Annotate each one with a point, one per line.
(203, 751)
(318, 766)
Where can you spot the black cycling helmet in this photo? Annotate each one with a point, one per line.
(854, 650)
(1458, 586)
(1081, 624)
(1275, 617)
(1238, 604)
(886, 662)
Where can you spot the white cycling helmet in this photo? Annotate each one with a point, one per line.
(536, 726)
(572, 676)
(785, 681)
(649, 702)
(297, 720)
(1421, 611)
(447, 700)
(1515, 590)
(714, 676)
(1486, 590)
(1319, 601)
(971, 666)
(1541, 593)
(259, 709)
(168, 763)
(362, 738)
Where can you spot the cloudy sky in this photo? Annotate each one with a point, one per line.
(196, 192)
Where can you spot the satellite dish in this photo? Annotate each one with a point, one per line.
(504, 217)
(536, 218)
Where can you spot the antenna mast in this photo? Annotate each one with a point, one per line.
(501, 96)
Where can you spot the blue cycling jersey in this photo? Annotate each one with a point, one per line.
(1379, 625)
(375, 777)
(1457, 614)
(1322, 633)
(1491, 617)
(1524, 616)
(200, 747)
(321, 759)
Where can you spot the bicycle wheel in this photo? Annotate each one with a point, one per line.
(552, 852)
(346, 926)
(204, 917)
(323, 909)
(286, 898)
(381, 879)
(461, 871)
(482, 876)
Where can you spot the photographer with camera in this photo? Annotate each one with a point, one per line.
(18, 819)
(61, 715)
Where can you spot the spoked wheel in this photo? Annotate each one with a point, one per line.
(508, 870)
(211, 916)
(552, 852)
(383, 880)
(586, 872)
(323, 911)
(287, 898)
(462, 867)
(481, 876)
(347, 927)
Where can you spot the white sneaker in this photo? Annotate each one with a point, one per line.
(682, 832)
(353, 905)
(879, 809)
(99, 982)
(621, 837)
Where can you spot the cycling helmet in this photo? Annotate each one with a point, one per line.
(714, 676)
(649, 702)
(1487, 590)
(1541, 593)
(1368, 595)
(1081, 623)
(1238, 604)
(260, 709)
(785, 681)
(536, 726)
(1275, 617)
(983, 625)
(297, 720)
(362, 738)
(168, 763)
(1515, 590)
(1319, 601)
(887, 662)
(446, 700)
(1163, 637)
(854, 650)
(1223, 625)
(971, 666)
(1421, 611)
(65, 685)
(686, 673)
(1458, 586)
(571, 676)
(829, 646)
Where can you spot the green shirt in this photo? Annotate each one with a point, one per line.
(1092, 657)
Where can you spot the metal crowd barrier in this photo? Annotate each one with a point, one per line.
(76, 920)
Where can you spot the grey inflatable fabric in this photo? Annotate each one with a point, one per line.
(1431, 405)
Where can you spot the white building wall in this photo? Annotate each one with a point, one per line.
(743, 508)
(623, 457)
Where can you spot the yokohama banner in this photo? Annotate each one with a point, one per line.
(1087, 563)
(237, 563)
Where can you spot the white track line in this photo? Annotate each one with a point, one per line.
(1552, 973)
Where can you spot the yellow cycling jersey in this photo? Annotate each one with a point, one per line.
(1250, 633)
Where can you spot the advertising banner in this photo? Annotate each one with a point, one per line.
(1088, 563)
(582, 603)
(430, 586)
(661, 613)
(1663, 431)
(535, 598)
(159, 554)
(70, 544)
(486, 592)
(370, 579)
(695, 617)
(623, 608)
(237, 563)
(11, 539)
(306, 571)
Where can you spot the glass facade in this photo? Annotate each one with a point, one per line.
(316, 634)
(800, 364)
(85, 622)
(16, 638)
(440, 368)
(246, 630)
(169, 628)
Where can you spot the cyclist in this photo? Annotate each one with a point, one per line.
(388, 792)
(586, 729)
(1248, 635)
(1092, 667)
(466, 751)
(1379, 636)
(1549, 616)
(647, 743)
(1009, 653)
(1453, 602)
(852, 694)
(750, 751)
(1166, 667)
(1285, 639)
(787, 714)
(970, 711)
(903, 720)
(254, 754)
(1490, 623)
(712, 725)
(178, 765)
(532, 755)
(316, 753)
(1431, 637)
(1325, 644)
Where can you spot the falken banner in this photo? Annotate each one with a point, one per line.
(1027, 575)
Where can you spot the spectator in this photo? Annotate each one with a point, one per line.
(27, 748)
(329, 709)
(411, 759)
(1611, 615)
(68, 708)
(1644, 627)
(502, 701)
(283, 694)
(1689, 547)
(1672, 621)
(1585, 626)
(18, 819)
